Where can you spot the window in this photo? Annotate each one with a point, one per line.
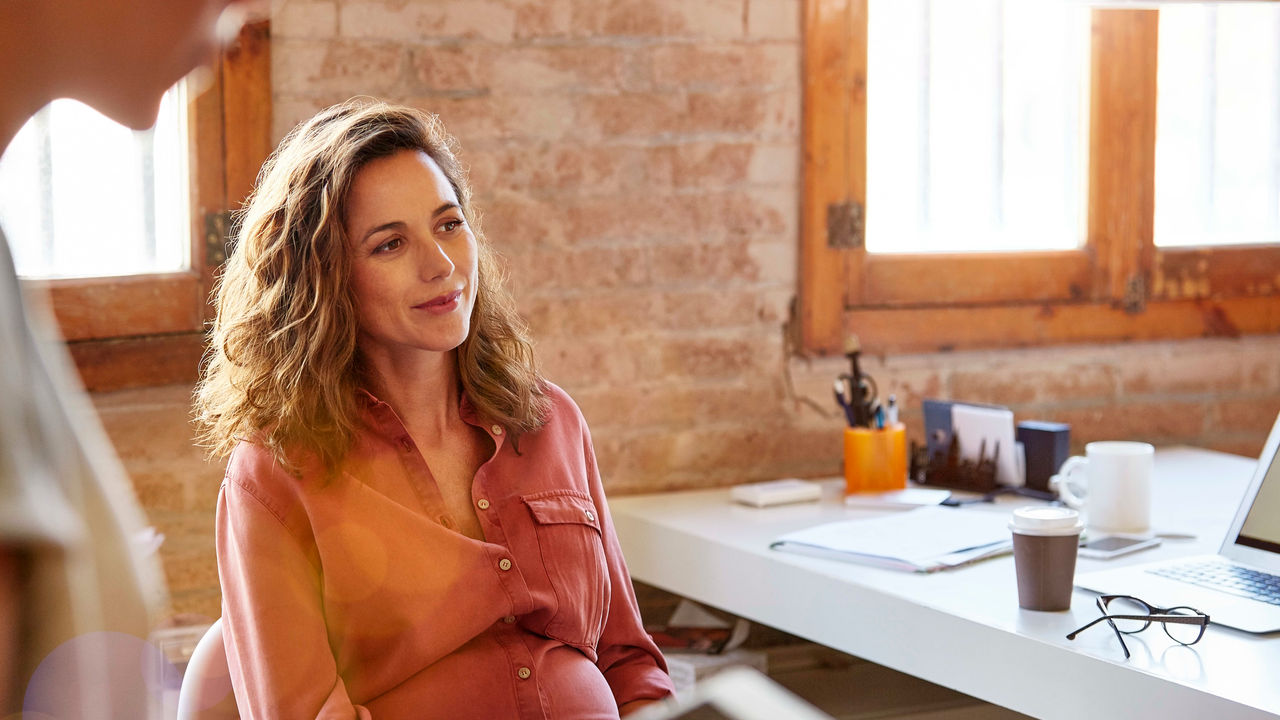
(135, 314)
(82, 196)
(919, 230)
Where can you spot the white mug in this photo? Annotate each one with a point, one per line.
(1116, 494)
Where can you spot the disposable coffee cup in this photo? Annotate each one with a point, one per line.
(1044, 555)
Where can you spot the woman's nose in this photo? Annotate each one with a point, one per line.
(433, 262)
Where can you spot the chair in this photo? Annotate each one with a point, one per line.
(206, 685)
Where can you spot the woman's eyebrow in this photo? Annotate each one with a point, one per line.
(393, 225)
(400, 224)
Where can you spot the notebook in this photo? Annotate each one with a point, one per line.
(1227, 586)
(921, 540)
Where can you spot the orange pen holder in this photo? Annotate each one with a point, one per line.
(875, 460)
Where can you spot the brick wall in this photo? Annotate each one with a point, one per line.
(637, 164)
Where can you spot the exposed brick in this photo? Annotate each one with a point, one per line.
(476, 119)
(543, 19)
(1173, 372)
(418, 21)
(773, 19)
(556, 68)
(700, 265)
(444, 68)
(1022, 386)
(671, 18)
(299, 19)
(777, 260)
(588, 363)
(1248, 447)
(712, 357)
(647, 216)
(1160, 423)
(158, 491)
(614, 312)
(205, 603)
(1253, 414)
(631, 409)
(767, 113)
(289, 111)
(701, 165)
(777, 165)
(595, 267)
(635, 114)
(300, 66)
(517, 223)
(701, 309)
(545, 169)
(190, 569)
(695, 67)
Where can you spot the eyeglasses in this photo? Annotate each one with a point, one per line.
(1128, 615)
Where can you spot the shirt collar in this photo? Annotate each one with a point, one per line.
(383, 418)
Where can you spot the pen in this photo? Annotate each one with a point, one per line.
(892, 416)
(843, 401)
(879, 417)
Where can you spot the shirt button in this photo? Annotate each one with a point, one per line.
(524, 673)
(497, 429)
(591, 516)
(509, 619)
(482, 504)
(504, 564)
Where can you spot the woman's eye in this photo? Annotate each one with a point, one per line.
(450, 225)
(389, 245)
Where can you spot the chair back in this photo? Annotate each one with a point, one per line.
(206, 685)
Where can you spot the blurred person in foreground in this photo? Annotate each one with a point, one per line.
(412, 524)
(76, 596)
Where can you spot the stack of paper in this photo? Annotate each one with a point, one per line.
(923, 540)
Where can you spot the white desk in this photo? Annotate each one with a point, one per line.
(963, 628)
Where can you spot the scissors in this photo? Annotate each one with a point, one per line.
(857, 397)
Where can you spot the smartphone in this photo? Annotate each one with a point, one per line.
(1105, 547)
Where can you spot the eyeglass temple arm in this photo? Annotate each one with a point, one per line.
(1178, 619)
(1072, 635)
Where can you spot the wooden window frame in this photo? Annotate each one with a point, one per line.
(148, 329)
(1118, 287)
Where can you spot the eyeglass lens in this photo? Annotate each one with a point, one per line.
(1128, 606)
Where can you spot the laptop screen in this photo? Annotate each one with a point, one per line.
(1261, 528)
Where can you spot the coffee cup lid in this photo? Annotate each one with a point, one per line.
(1046, 521)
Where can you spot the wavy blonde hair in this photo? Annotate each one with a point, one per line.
(282, 366)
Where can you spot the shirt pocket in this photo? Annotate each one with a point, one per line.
(567, 525)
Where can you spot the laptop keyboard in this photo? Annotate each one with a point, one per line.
(1226, 577)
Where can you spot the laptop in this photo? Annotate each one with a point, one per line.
(1240, 586)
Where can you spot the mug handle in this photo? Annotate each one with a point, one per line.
(1061, 483)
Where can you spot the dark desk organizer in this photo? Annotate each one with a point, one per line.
(948, 470)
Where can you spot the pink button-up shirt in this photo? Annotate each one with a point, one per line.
(357, 598)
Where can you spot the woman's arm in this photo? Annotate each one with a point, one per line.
(630, 661)
(273, 621)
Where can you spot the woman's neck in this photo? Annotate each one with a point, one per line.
(423, 390)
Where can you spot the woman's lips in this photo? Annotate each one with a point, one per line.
(444, 304)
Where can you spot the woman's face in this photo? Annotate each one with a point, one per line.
(413, 258)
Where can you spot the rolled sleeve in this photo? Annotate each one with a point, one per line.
(628, 658)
